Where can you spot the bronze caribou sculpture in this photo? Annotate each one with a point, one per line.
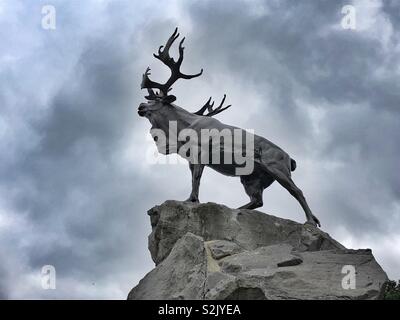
(269, 162)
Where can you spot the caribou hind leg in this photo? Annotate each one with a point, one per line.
(254, 187)
(286, 181)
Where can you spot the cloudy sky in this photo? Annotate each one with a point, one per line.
(75, 182)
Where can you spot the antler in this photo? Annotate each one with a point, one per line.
(209, 107)
(146, 81)
(174, 66)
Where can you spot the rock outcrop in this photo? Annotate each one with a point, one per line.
(209, 251)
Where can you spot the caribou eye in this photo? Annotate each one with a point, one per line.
(155, 138)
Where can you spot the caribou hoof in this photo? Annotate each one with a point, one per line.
(314, 222)
(192, 199)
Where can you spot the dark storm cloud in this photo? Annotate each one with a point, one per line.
(71, 187)
(82, 204)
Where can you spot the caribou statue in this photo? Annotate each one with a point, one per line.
(268, 161)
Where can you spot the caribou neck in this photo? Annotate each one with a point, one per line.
(183, 117)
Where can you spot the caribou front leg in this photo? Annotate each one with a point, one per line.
(197, 171)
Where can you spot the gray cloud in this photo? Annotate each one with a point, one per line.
(74, 184)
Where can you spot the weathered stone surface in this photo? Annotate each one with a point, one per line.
(249, 229)
(208, 251)
(181, 275)
(222, 248)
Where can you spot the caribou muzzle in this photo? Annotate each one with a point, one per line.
(142, 110)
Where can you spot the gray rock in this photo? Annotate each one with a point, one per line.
(181, 275)
(249, 229)
(222, 248)
(208, 251)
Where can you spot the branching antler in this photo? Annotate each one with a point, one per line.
(147, 82)
(174, 66)
(209, 107)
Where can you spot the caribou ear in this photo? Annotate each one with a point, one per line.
(169, 99)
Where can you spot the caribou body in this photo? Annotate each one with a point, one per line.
(269, 162)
